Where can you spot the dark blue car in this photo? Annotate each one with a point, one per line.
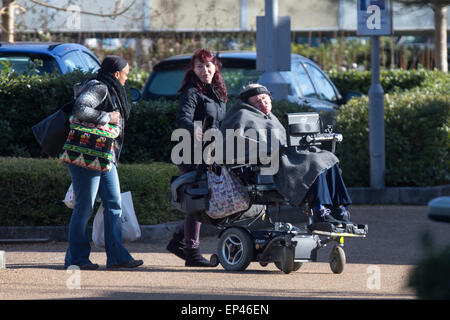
(308, 84)
(43, 58)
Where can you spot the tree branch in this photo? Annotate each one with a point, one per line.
(424, 2)
(111, 15)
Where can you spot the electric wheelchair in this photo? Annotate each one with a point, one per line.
(286, 245)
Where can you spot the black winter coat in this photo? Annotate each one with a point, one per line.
(92, 105)
(196, 106)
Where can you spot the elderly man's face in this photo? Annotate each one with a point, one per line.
(262, 102)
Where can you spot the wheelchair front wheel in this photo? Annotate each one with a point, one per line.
(286, 262)
(214, 260)
(337, 260)
(235, 249)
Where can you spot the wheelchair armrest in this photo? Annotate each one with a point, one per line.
(196, 191)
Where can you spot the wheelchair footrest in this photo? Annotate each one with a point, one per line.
(355, 229)
(325, 226)
(360, 229)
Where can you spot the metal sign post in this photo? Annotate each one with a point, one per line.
(273, 49)
(374, 20)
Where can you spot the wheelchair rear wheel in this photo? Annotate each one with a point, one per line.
(235, 249)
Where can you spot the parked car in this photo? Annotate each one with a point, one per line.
(43, 58)
(308, 84)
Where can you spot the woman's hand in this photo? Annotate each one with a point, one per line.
(115, 117)
(198, 133)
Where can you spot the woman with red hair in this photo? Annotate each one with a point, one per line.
(202, 99)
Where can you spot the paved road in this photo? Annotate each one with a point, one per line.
(377, 268)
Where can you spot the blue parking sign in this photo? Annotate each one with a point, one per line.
(374, 18)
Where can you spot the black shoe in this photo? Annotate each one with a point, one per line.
(323, 214)
(87, 266)
(130, 264)
(176, 247)
(195, 259)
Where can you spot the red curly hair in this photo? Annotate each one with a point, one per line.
(204, 55)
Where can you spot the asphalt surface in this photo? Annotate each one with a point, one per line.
(377, 268)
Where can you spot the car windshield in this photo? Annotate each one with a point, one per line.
(167, 82)
(28, 64)
(237, 78)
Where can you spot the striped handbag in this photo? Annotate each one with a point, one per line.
(90, 145)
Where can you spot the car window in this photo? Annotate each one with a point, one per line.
(24, 63)
(73, 61)
(303, 80)
(90, 62)
(166, 83)
(237, 78)
(322, 84)
(293, 85)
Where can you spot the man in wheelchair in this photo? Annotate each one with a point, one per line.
(301, 171)
(255, 163)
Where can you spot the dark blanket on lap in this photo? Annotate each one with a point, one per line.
(264, 138)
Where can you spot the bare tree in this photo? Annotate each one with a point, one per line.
(9, 6)
(8, 21)
(439, 8)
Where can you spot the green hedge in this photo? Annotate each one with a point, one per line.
(417, 122)
(392, 80)
(417, 139)
(25, 100)
(32, 191)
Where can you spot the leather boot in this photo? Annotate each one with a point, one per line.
(176, 246)
(195, 259)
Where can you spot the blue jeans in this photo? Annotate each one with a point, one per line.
(86, 183)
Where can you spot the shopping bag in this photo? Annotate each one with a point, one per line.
(69, 199)
(51, 133)
(227, 194)
(131, 230)
(130, 226)
(98, 228)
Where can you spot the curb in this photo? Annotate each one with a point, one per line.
(163, 232)
(398, 195)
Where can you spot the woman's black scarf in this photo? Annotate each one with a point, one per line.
(118, 90)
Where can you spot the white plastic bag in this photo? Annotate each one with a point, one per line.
(98, 228)
(69, 200)
(130, 226)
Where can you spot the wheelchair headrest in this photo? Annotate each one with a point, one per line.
(301, 124)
